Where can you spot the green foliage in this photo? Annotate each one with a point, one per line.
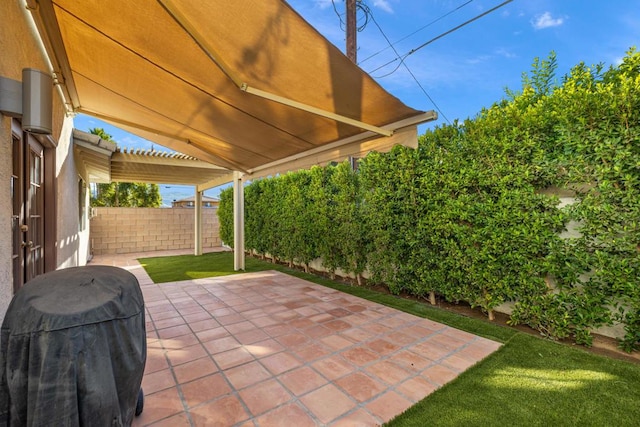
(225, 215)
(127, 195)
(391, 209)
(349, 229)
(543, 73)
(594, 119)
(323, 191)
(101, 133)
(474, 213)
(297, 226)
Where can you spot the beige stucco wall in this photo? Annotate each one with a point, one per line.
(127, 230)
(20, 48)
(6, 275)
(72, 237)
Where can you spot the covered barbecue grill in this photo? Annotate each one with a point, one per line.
(73, 349)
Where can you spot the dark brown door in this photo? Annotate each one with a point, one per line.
(27, 191)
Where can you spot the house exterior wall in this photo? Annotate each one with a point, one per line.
(72, 230)
(6, 275)
(127, 230)
(20, 47)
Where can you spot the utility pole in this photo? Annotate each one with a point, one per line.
(351, 30)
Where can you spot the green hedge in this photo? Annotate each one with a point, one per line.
(468, 215)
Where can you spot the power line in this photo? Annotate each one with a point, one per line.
(407, 67)
(335, 9)
(403, 57)
(416, 31)
(343, 24)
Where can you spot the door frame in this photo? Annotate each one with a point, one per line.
(34, 208)
(49, 223)
(18, 257)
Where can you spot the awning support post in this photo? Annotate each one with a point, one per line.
(198, 224)
(238, 221)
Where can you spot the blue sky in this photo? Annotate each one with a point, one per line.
(468, 69)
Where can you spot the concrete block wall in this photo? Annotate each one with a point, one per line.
(128, 230)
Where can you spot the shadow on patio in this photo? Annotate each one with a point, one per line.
(267, 349)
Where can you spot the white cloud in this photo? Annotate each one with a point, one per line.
(545, 20)
(323, 4)
(506, 53)
(478, 59)
(384, 5)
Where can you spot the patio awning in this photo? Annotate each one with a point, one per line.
(240, 84)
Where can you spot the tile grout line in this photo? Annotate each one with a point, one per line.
(359, 405)
(167, 359)
(380, 310)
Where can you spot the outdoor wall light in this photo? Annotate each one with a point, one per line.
(30, 100)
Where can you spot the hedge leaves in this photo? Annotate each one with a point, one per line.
(534, 202)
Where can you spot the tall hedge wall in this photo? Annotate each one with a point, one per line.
(469, 216)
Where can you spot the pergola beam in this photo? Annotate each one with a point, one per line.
(412, 121)
(223, 179)
(147, 159)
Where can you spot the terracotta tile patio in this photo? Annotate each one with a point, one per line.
(268, 349)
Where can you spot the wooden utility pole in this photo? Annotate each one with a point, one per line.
(351, 30)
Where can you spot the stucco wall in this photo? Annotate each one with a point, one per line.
(20, 47)
(72, 232)
(6, 276)
(19, 50)
(127, 230)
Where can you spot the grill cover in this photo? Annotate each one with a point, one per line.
(73, 349)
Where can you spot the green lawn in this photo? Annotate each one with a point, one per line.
(533, 382)
(528, 382)
(186, 267)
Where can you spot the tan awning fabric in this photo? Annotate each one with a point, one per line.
(212, 78)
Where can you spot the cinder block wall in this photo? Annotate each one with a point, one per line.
(127, 230)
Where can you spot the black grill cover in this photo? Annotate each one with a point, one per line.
(73, 349)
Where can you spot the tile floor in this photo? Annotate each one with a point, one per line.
(268, 349)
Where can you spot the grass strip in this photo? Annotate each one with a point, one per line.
(534, 382)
